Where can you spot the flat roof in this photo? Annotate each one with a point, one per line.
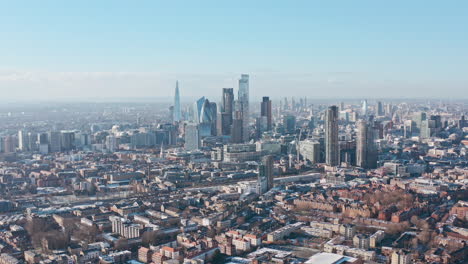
(329, 258)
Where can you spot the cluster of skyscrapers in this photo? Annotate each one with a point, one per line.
(230, 119)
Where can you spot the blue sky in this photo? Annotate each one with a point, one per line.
(323, 49)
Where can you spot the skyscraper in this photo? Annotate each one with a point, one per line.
(380, 109)
(366, 153)
(23, 141)
(67, 140)
(236, 128)
(111, 143)
(9, 144)
(177, 114)
(204, 115)
(192, 137)
(431, 126)
(265, 175)
(243, 98)
(364, 109)
(226, 112)
(266, 111)
(418, 119)
(331, 136)
(54, 141)
(289, 123)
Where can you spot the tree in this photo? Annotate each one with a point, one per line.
(151, 237)
(121, 244)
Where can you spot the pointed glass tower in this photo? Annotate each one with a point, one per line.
(177, 114)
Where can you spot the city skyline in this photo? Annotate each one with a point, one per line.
(361, 49)
(242, 132)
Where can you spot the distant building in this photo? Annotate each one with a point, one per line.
(204, 115)
(265, 175)
(310, 150)
(125, 228)
(401, 257)
(366, 152)
(418, 119)
(9, 144)
(236, 128)
(431, 126)
(380, 109)
(192, 137)
(289, 123)
(67, 140)
(225, 116)
(331, 136)
(265, 111)
(241, 153)
(177, 116)
(54, 139)
(23, 141)
(111, 143)
(243, 99)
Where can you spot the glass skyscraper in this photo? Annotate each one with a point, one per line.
(331, 136)
(177, 115)
(243, 99)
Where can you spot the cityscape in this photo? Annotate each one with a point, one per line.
(230, 171)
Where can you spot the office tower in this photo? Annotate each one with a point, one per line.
(192, 137)
(67, 140)
(23, 141)
(310, 150)
(82, 140)
(366, 153)
(243, 99)
(213, 110)
(408, 127)
(42, 143)
(268, 164)
(364, 109)
(331, 136)
(418, 119)
(266, 111)
(236, 128)
(431, 126)
(261, 125)
(9, 145)
(32, 144)
(265, 175)
(228, 100)
(226, 112)
(389, 109)
(380, 109)
(42, 138)
(344, 115)
(342, 106)
(204, 115)
(311, 124)
(462, 122)
(354, 116)
(54, 141)
(177, 116)
(289, 123)
(111, 143)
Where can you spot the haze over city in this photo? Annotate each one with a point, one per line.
(119, 49)
(233, 132)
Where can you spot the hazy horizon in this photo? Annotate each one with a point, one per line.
(52, 50)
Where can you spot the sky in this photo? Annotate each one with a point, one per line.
(67, 50)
